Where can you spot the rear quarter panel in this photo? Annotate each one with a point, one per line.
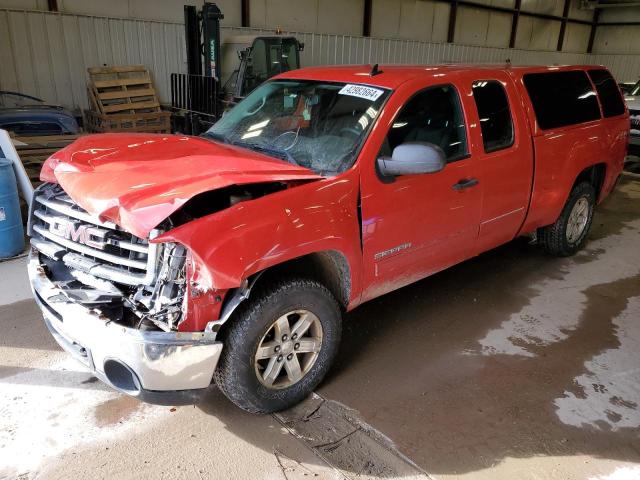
(561, 154)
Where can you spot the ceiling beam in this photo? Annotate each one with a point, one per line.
(511, 10)
(618, 24)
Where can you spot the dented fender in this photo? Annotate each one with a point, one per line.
(231, 245)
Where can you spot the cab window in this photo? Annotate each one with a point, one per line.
(495, 117)
(561, 99)
(608, 91)
(433, 116)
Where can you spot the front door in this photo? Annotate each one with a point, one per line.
(415, 225)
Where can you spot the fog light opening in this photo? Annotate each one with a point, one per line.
(121, 377)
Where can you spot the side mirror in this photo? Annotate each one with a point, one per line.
(413, 158)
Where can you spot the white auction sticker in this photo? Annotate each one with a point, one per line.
(361, 91)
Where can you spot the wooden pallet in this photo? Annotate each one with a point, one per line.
(33, 151)
(122, 90)
(123, 99)
(154, 122)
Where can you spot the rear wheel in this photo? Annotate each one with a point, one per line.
(279, 345)
(569, 233)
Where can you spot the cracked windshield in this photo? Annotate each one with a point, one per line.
(318, 125)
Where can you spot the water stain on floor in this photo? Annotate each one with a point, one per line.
(116, 410)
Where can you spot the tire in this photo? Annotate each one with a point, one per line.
(559, 239)
(241, 377)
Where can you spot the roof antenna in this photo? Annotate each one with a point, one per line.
(374, 71)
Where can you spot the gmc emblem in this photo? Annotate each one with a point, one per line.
(80, 233)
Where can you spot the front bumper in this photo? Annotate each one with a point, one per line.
(166, 368)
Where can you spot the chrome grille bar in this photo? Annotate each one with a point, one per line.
(134, 247)
(126, 258)
(60, 207)
(89, 251)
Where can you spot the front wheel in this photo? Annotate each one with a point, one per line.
(279, 345)
(569, 233)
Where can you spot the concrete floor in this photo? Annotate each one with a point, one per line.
(511, 365)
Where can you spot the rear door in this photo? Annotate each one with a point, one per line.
(504, 152)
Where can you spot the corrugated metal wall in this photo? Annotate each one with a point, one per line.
(47, 54)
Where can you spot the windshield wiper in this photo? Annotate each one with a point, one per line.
(271, 151)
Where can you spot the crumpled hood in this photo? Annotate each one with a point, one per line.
(138, 180)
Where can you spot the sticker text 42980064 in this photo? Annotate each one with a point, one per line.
(361, 91)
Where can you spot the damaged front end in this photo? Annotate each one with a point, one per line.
(136, 282)
(118, 302)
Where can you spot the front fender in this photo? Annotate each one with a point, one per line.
(251, 236)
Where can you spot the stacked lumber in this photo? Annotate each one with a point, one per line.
(123, 99)
(34, 151)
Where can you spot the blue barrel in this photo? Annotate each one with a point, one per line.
(11, 231)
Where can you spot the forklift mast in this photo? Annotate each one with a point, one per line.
(202, 34)
(198, 97)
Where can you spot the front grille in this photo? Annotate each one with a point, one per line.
(64, 231)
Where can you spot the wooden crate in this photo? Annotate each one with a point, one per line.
(154, 122)
(122, 90)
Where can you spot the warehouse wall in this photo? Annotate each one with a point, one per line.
(161, 10)
(410, 19)
(342, 17)
(424, 20)
(47, 54)
(618, 39)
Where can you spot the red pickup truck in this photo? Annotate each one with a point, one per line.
(165, 261)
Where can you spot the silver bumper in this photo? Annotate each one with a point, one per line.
(159, 367)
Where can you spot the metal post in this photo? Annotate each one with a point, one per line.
(514, 23)
(594, 27)
(192, 40)
(245, 13)
(366, 18)
(452, 22)
(563, 24)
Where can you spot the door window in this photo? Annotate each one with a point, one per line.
(495, 116)
(434, 116)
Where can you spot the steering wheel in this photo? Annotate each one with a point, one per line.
(284, 135)
(350, 131)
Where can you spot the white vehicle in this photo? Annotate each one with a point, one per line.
(633, 103)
